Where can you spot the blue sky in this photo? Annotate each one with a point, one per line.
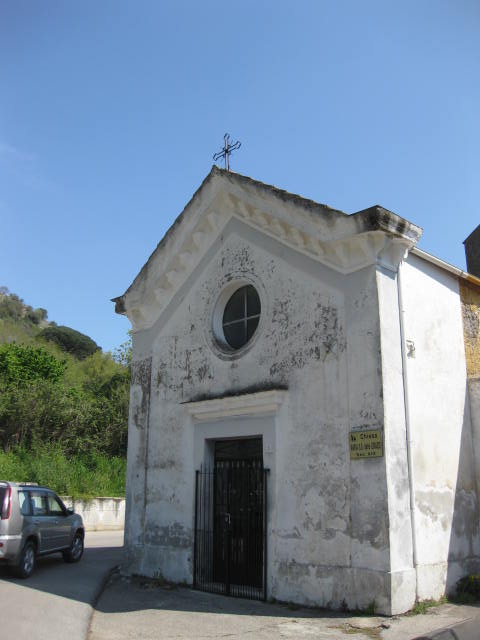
(110, 112)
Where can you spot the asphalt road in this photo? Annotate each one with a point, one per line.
(56, 602)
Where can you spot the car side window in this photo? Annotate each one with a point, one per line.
(24, 501)
(39, 503)
(54, 506)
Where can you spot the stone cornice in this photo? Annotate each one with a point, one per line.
(342, 242)
(251, 404)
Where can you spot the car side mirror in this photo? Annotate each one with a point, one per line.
(70, 512)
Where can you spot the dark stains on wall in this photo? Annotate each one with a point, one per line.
(256, 388)
(299, 326)
(184, 365)
(369, 518)
(141, 373)
(173, 536)
(302, 335)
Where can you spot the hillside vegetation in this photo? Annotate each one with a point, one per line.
(63, 404)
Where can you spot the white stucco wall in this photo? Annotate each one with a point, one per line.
(99, 514)
(328, 525)
(339, 530)
(402, 573)
(446, 505)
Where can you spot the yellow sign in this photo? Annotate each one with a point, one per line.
(366, 444)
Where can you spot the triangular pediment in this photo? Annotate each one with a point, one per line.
(340, 241)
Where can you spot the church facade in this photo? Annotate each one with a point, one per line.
(305, 404)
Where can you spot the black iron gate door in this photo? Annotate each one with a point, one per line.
(230, 540)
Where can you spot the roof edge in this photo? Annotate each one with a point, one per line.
(280, 193)
(446, 266)
(120, 300)
(377, 218)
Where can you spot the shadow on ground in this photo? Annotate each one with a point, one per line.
(148, 594)
(80, 581)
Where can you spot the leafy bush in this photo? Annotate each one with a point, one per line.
(20, 364)
(81, 405)
(70, 340)
(123, 353)
(84, 476)
(63, 404)
(45, 412)
(468, 588)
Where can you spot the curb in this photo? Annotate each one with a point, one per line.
(467, 630)
(98, 594)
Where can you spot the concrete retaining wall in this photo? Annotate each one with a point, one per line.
(99, 514)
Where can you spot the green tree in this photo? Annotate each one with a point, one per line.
(36, 315)
(123, 353)
(11, 306)
(70, 340)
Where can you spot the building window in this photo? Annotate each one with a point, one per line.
(241, 317)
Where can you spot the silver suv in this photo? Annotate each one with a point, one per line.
(35, 522)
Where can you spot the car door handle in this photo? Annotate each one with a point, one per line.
(36, 521)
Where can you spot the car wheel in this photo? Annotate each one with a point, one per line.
(26, 562)
(76, 550)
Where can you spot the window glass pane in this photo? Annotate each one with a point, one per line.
(243, 304)
(39, 504)
(251, 326)
(235, 334)
(24, 502)
(253, 301)
(54, 506)
(235, 308)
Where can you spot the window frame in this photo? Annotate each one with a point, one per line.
(223, 289)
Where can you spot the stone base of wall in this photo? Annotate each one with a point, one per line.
(391, 593)
(388, 593)
(99, 514)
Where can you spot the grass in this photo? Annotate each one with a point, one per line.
(467, 591)
(80, 477)
(370, 632)
(422, 606)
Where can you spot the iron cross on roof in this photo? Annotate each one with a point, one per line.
(225, 153)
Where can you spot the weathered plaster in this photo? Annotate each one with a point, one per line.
(300, 346)
(446, 498)
(343, 243)
(395, 438)
(137, 459)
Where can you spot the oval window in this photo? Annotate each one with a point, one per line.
(241, 316)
